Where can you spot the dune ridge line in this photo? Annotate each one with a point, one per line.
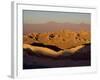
(50, 52)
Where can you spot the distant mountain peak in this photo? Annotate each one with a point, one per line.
(52, 22)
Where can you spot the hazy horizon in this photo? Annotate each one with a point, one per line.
(42, 21)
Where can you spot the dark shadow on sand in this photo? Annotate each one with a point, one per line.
(82, 57)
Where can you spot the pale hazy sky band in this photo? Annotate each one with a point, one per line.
(38, 17)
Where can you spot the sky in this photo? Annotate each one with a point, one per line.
(38, 17)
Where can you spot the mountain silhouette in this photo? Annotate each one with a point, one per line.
(54, 26)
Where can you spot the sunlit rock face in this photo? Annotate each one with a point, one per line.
(63, 39)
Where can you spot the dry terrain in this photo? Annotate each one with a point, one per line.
(62, 48)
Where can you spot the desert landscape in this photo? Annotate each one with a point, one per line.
(56, 49)
(50, 42)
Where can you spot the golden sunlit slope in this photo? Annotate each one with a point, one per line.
(76, 52)
(63, 39)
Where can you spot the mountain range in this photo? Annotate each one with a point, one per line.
(54, 26)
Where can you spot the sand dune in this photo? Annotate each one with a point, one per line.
(40, 57)
(73, 50)
(56, 49)
(44, 51)
(50, 52)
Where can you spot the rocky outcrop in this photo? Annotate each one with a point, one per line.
(62, 48)
(63, 39)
